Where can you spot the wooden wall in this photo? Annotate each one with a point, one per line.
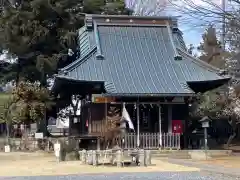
(96, 118)
(148, 117)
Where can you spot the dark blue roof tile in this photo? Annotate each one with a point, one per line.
(140, 60)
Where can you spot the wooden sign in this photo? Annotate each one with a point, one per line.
(98, 98)
(205, 124)
(7, 148)
(39, 135)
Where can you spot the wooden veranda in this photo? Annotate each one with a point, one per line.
(154, 135)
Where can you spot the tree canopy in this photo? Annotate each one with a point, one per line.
(27, 103)
(210, 48)
(219, 105)
(41, 32)
(4, 97)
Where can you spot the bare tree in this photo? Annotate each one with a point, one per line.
(201, 13)
(147, 7)
(232, 110)
(226, 20)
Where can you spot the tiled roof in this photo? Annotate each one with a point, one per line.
(195, 69)
(85, 40)
(139, 60)
(178, 40)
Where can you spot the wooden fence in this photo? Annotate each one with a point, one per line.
(150, 141)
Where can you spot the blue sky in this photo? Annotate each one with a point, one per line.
(191, 36)
(188, 25)
(193, 24)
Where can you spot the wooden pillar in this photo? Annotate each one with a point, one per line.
(185, 130)
(70, 126)
(169, 118)
(104, 124)
(160, 125)
(81, 119)
(98, 144)
(89, 119)
(138, 125)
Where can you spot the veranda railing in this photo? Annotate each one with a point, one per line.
(150, 141)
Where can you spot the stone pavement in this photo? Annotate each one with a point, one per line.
(207, 167)
(131, 176)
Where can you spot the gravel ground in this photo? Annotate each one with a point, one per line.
(131, 176)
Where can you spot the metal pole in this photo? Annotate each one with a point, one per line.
(205, 141)
(160, 125)
(106, 116)
(89, 119)
(223, 4)
(138, 126)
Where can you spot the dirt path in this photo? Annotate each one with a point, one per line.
(33, 164)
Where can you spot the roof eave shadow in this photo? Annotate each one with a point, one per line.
(204, 86)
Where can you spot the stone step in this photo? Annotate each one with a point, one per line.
(180, 156)
(172, 154)
(187, 154)
(160, 155)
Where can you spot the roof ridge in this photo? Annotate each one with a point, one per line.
(200, 62)
(97, 41)
(170, 33)
(134, 17)
(81, 30)
(130, 25)
(78, 61)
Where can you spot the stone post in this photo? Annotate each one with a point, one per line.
(80, 155)
(84, 156)
(112, 156)
(95, 158)
(141, 155)
(119, 158)
(7, 148)
(90, 157)
(148, 158)
(58, 151)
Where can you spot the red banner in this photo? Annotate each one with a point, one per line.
(177, 126)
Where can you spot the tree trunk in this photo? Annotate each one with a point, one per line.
(42, 125)
(18, 72)
(43, 80)
(231, 137)
(233, 123)
(8, 133)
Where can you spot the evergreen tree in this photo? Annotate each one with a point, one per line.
(3, 69)
(41, 32)
(210, 48)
